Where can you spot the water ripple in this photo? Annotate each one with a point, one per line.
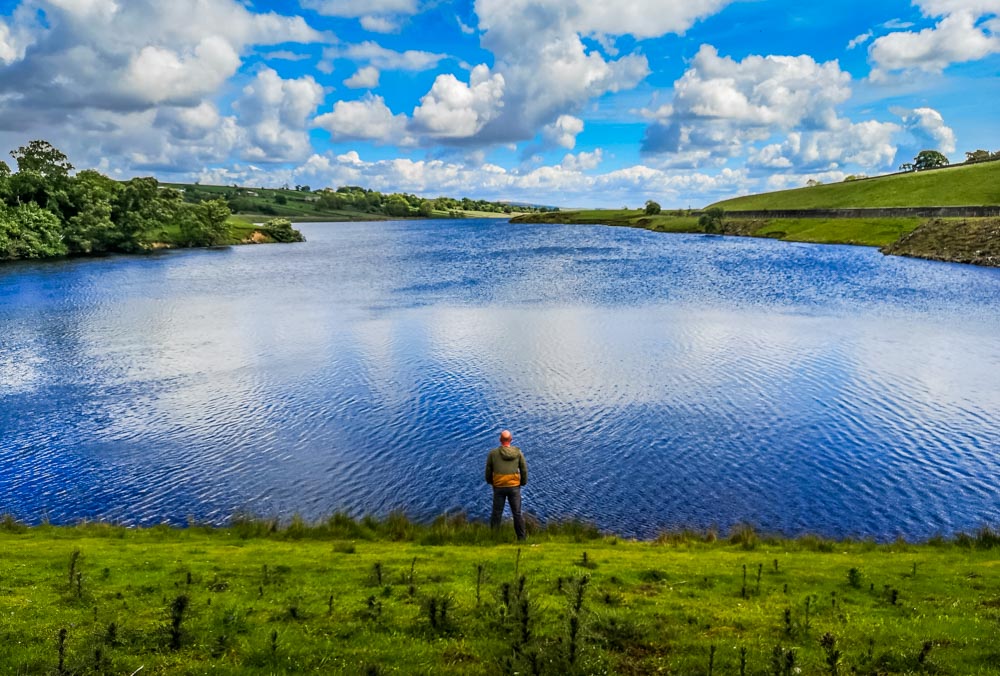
(654, 381)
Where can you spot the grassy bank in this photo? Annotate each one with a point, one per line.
(975, 241)
(864, 231)
(392, 597)
(962, 185)
(241, 231)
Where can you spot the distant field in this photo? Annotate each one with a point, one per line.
(261, 204)
(965, 185)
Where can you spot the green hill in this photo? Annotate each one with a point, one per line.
(960, 185)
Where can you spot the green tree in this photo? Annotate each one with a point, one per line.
(281, 230)
(929, 159)
(42, 158)
(333, 201)
(205, 224)
(978, 156)
(712, 221)
(374, 200)
(143, 207)
(29, 231)
(89, 227)
(652, 208)
(397, 206)
(42, 177)
(5, 193)
(426, 209)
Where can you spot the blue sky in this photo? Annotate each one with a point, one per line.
(565, 102)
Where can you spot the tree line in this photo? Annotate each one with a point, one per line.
(934, 159)
(349, 198)
(356, 198)
(45, 211)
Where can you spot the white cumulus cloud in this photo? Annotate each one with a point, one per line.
(358, 8)
(122, 56)
(582, 161)
(453, 109)
(779, 112)
(563, 131)
(860, 40)
(928, 127)
(961, 35)
(275, 112)
(546, 68)
(155, 75)
(380, 24)
(365, 119)
(640, 18)
(377, 16)
(867, 144)
(385, 59)
(560, 184)
(366, 77)
(720, 104)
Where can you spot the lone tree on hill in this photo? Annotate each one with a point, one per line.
(981, 156)
(929, 159)
(652, 208)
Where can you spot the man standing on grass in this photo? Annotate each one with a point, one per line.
(507, 471)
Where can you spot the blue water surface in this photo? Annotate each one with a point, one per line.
(654, 381)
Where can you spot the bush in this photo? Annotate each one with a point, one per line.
(281, 230)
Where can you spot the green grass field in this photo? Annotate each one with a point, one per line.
(240, 230)
(298, 206)
(863, 231)
(963, 185)
(380, 597)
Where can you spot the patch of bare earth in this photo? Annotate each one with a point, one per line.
(975, 241)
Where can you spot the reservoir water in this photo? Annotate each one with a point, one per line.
(654, 381)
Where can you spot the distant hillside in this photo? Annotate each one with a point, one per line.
(959, 185)
(347, 203)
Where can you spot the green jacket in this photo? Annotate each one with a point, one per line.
(506, 467)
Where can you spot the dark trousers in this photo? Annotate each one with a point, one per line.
(513, 496)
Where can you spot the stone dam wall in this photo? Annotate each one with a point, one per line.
(880, 212)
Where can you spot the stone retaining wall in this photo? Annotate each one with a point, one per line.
(883, 212)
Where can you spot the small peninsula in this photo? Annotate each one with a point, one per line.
(47, 211)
